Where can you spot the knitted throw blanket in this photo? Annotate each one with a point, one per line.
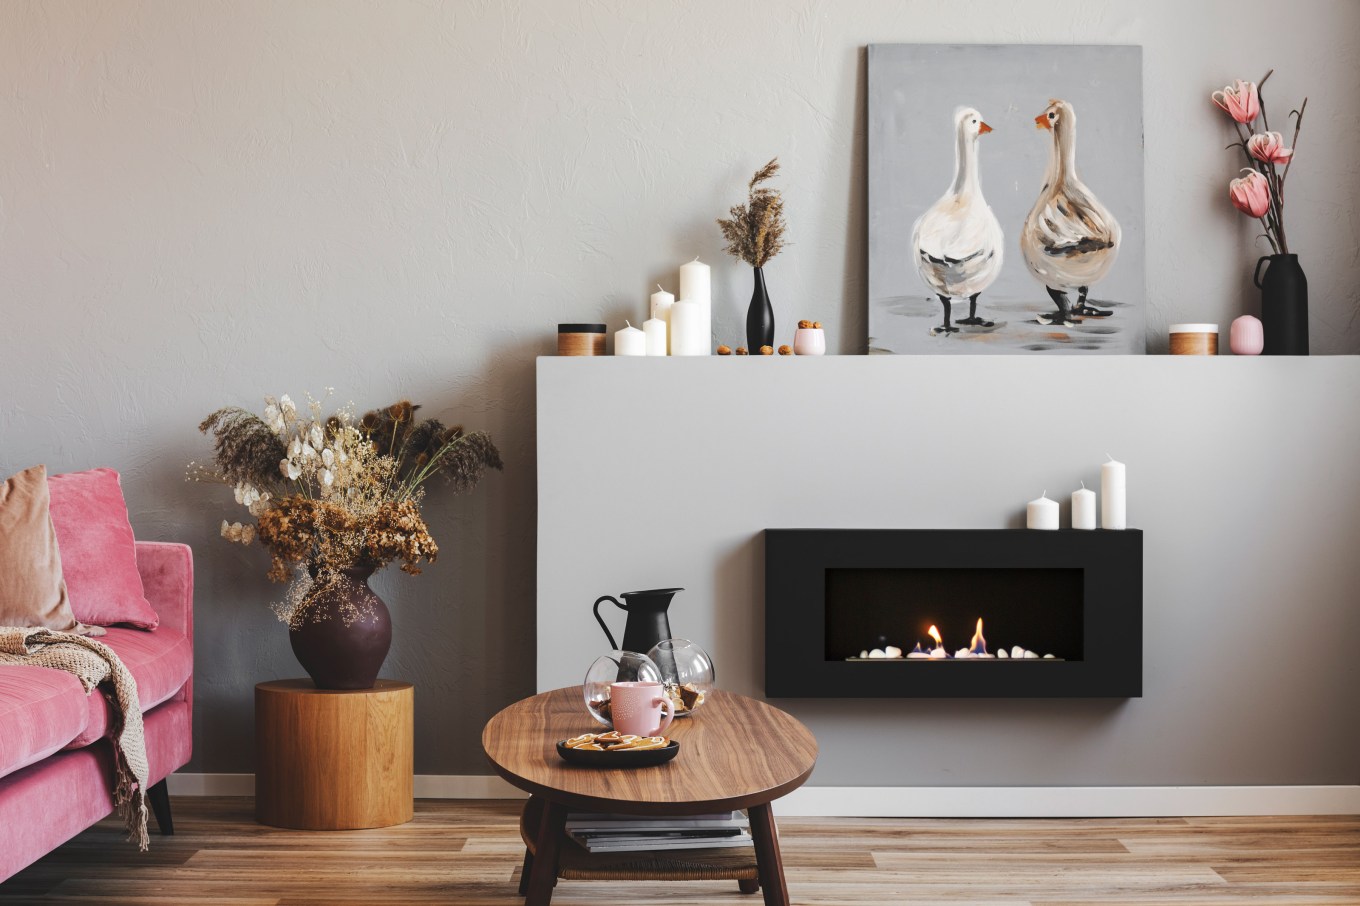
(93, 662)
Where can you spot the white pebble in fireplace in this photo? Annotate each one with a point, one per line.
(976, 651)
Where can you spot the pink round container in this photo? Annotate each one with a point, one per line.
(809, 341)
(1247, 336)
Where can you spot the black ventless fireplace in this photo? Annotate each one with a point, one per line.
(913, 613)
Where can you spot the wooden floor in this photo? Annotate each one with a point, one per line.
(468, 853)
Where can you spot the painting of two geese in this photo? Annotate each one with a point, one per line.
(991, 230)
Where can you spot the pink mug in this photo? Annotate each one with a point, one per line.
(636, 708)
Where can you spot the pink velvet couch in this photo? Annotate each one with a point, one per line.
(56, 762)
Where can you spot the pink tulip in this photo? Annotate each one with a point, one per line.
(1269, 147)
(1240, 100)
(1250, 194)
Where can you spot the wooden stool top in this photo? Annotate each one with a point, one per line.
(307, 687)
(735, 752)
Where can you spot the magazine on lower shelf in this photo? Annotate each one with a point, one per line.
(631, 833)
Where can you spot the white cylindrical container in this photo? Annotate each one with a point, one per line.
(654, 329)
(1042, 513)
(1112, 504)
(1084, 508)
(630, 341)
(687, 329)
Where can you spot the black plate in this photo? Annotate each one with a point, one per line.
(625, 759)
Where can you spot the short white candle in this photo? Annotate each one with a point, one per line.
(686, 329)
(1042, 513)
(1112, 504)
(1084, 508)
(654, 329)
(696, 285)
(629, 340)
(661, 308)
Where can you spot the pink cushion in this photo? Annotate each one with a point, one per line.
(159, 661)
(41, 710)
(98, 553)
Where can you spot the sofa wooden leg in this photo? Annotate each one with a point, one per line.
(158, 794)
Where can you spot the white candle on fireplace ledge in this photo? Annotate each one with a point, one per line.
(696, 286)
(654, 329)
(1042, 513)
(1084, 508)
(629, 340)
(687, 329)
(661, 309)
(1112, 503)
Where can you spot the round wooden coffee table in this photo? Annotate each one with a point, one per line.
(735, 753)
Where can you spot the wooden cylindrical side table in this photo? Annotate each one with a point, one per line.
(334, 759)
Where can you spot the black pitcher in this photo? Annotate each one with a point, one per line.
(1284, 305)
(647, 620)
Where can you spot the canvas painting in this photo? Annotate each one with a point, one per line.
(1005, 199)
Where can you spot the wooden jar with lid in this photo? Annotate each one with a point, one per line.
(580, 339)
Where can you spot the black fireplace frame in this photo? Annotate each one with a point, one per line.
(796, 664)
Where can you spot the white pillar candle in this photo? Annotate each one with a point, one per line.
(686, 327)
(629, 341)
(1084, 508)
(1112, 505)
(1042, 513)
(654, 329)
(661, 308)
(696, 285)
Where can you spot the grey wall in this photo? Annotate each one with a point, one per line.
(201, 203)
(1241, 475)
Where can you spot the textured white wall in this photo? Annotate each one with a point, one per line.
(204, 202)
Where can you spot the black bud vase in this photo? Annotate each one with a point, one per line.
(759, 317)
(1284, 305)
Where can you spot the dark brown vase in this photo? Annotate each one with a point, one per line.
(337, 655)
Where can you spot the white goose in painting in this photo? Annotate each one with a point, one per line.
(957, 242)
(1070, 240)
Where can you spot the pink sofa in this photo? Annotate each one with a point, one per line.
(56, 762)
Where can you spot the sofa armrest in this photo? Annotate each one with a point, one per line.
(168, 577)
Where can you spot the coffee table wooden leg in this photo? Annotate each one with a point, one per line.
(525, 870)
(768, 860)
(543, 871)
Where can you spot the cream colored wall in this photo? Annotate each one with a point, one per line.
(204, 202)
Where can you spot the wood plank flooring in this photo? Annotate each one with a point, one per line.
(469, 853)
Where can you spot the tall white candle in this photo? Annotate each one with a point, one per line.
(654, 329)
(1042, 513)
(629, 340)
(686, 329)
(1084, 508)
(696, 285)
(661, 308)
(1112, 504)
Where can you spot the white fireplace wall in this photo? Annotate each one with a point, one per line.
(1242, 473)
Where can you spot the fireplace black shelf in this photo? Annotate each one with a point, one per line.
(829, 593)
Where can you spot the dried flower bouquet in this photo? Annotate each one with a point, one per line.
(331, 493)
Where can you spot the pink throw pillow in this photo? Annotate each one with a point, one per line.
(98, 552)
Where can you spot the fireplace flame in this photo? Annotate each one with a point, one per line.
(979, 644)
(935, 634)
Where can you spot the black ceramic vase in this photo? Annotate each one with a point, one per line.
(1284, 305)
(345, 635)
(759, 317)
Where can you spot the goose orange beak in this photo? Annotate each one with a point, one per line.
(1042, 121)
(983, 129)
